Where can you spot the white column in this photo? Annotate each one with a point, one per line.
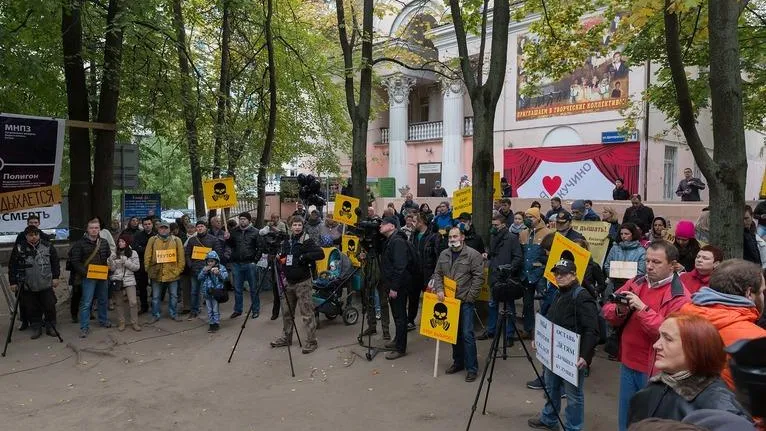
(452, 142)
(398, 99)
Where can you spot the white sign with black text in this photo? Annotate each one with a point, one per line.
(557, 348)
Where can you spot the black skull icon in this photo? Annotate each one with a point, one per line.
(440, 317)
(345, 209)
(219, 192)
(351, 246)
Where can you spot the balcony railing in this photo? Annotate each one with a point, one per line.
(427, 130)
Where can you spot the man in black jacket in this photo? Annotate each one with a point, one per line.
(299, 254)
(564, 226)
(396, 279)
(471, 239)
(40, 276)
(639, 214)
(88, 255)
(573, 309)
(139, 245)
(244, 243)
(427, 245)
(504, 249)
(196, 250)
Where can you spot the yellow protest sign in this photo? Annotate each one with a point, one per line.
(484, 294)
(219, 193)
(462, 201)
(200, 253)
(762, 194)
(597, 235)
(165, 256)
(349, 245)
(563, 246)
(497, 191)
(30, 198)
(98, 272)
(345, 209)
(439, 320)
(450, 287)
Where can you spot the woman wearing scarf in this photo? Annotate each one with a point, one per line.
(518, 223)
(689, 355)
(659, 231)
(708, 259)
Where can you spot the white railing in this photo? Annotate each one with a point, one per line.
(468, 126)
(425, 131)
(384, 135)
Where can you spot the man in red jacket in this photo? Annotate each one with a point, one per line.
(707, 260)
(647, 301)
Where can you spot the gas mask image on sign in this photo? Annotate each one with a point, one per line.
(219, 190)
(440, 317)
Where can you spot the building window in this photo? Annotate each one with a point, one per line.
(671, 156)
(424, 108)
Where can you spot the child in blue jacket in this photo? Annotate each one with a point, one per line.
(211, 279)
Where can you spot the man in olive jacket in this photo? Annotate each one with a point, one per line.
(164, 261)
(465, 266)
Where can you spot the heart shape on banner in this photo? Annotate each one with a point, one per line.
(551, 184)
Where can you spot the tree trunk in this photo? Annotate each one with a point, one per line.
(77, 109)
(272, 124)
(103, 159)
(189, 109)
(483, 167)
(224, 90)
(727, 193)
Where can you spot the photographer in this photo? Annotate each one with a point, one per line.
(397, 279)
(32, 220)
(374, 294)
(272, 236)
(300, 252)
(574, 309)
(504, 249)
(35, 265)
(637, 310)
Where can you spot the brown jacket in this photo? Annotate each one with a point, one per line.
(164, 272)
(467, 271)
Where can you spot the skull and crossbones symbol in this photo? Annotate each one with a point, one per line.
(345, 209)
(351, 246)
(219, 192)
(440, 317)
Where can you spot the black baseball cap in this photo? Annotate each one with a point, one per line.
(464, 216)
(32, 229)
(390, 220)
(564, 266)
(563, 217)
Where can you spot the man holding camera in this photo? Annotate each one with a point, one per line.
(35, 266)
(504, 249)
(576, 310)
(299, 254)
(465, 266)
(638, 308)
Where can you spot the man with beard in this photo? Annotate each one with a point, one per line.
(396, 276)
(140, 240)
(204, 242)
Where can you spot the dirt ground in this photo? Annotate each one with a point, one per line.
(175, 376)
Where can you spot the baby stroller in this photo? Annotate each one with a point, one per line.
(329, 298)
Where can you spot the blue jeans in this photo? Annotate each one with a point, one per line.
(245, 272)
(213, 315)
(574, 415)
(631, 381)
(492, 319)
(464, 351)
(528, 304)
(157, 287)
(195, 294)
(99, 288)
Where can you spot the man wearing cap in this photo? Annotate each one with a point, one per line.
(197, 248)
(164, 260)
(40, 275)
(21, 238)
(581, 211)
(396, 278)
(535, 260)
(471, 239)
(465, 266)
(245, 250)
(438, 191)
(573, 309)
(564, 226)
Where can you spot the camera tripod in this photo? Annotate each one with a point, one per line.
(504, 319)
(21, 283)
(371, 267)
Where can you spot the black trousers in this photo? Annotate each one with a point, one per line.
(74, 304)
(142, 282)
(399, 311)
(413, 303)
(38, 304)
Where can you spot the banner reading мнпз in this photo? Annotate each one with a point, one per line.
(31, 150)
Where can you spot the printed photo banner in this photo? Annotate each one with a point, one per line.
(572, 172)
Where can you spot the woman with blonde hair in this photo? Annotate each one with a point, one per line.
(609, 215)
(702, 227)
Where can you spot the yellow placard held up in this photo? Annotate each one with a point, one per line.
(762, 194)
(450, 287)
(350, 247)
(563, 246)
(98, 272)
(219, 193)
(30, 198)
(165, 256)
(497, 191)
(462, 201)
(200, 253)
(345, 209)
(597, 235)
(439, 320)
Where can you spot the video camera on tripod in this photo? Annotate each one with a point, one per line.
(507, 288)
(309, 191)
(368, 230)
(273, 241)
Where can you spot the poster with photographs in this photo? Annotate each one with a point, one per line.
(600, 84)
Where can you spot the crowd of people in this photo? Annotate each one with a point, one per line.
(667, 323)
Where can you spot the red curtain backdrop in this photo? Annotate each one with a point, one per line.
(613, 160)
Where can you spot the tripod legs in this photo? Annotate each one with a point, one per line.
(13, 320)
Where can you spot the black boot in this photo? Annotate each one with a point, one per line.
(37, 331)
(50, 329)
(24, 325)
